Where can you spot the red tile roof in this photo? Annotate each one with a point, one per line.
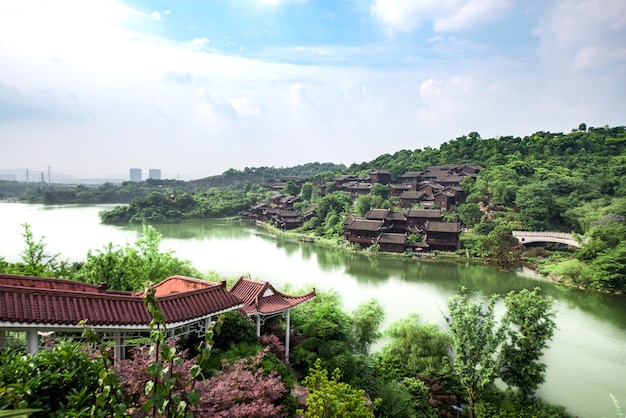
(261, 297)
(56, 302)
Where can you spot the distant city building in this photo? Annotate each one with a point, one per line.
(8, 177)
(135, 174)
(154, 173)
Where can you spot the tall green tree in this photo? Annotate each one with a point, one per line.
(529, 325)
(415, 349)
(291, 188)
(35, 261)
(501, 248)
(476, 339)
(366, 320)
(470, 213)
(134, 266)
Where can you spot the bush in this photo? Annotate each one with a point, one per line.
(61, 381)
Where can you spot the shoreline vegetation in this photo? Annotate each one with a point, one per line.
(573, 182)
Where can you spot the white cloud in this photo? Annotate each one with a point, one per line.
(406, 15)
(156, 15)
(587, 34)
(446, 15)
(200, 41)
(472, 13)
(279, 2)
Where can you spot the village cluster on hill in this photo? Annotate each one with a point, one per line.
(425, 196)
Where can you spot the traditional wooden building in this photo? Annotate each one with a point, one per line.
(417, 218)
(411, 198)
(391, 242)
(411, 179)
(380, 176)
(398, 189)
(396, 222)
(445, 200)
(287, 219)
(262, 301)
(362, 231)
(443, 236)
(358, 189)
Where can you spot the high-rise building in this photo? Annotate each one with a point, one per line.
(154, 173)
(135, 174)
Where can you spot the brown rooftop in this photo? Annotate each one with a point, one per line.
(262, 298)
(377, 213)
(33, 300)
(424, 213)
(361, 224)
(391, 238)
(442, 227)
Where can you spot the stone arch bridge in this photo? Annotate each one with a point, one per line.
(528, 237)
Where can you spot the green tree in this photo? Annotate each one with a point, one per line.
(501, 248)
(364, 203)
(338, 202)
(133, 267)
(333, 398)
(537, 206)
(529, 325)
(608, 270)
(306, 192)
(381, 190)
(476, 338)
(291, 188)
(366, 320)
(415, 349)
(35, 261)
(470, 213)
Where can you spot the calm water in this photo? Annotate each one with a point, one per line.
(586, 361)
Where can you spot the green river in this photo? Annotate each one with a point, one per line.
(586, 360)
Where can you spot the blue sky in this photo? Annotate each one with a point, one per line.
(93, 88)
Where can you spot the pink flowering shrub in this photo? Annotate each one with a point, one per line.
(242, 389)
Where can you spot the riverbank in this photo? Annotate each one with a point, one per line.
(553, 269)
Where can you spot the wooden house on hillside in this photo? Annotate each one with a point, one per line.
(362, 231)
(391, 242)
(443, 236)
(381, 176)
(417, 218)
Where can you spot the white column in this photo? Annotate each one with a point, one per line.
(207, 328)
(32, 342)
(118, 351)
(287, 329)
(258, 325)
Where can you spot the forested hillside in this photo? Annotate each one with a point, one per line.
(261, 175)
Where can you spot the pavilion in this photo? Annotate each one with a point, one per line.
(262, 301)
(39, 306)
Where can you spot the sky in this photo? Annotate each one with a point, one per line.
(195, 87)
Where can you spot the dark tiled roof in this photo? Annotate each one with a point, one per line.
(360, 224)
(450, 179)
(410, 174)
(377, 213)
(261, 297)
(442, 227)
(390, 238)
(425, 213)
(396, 216)
(33, 300)
(411, 195)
